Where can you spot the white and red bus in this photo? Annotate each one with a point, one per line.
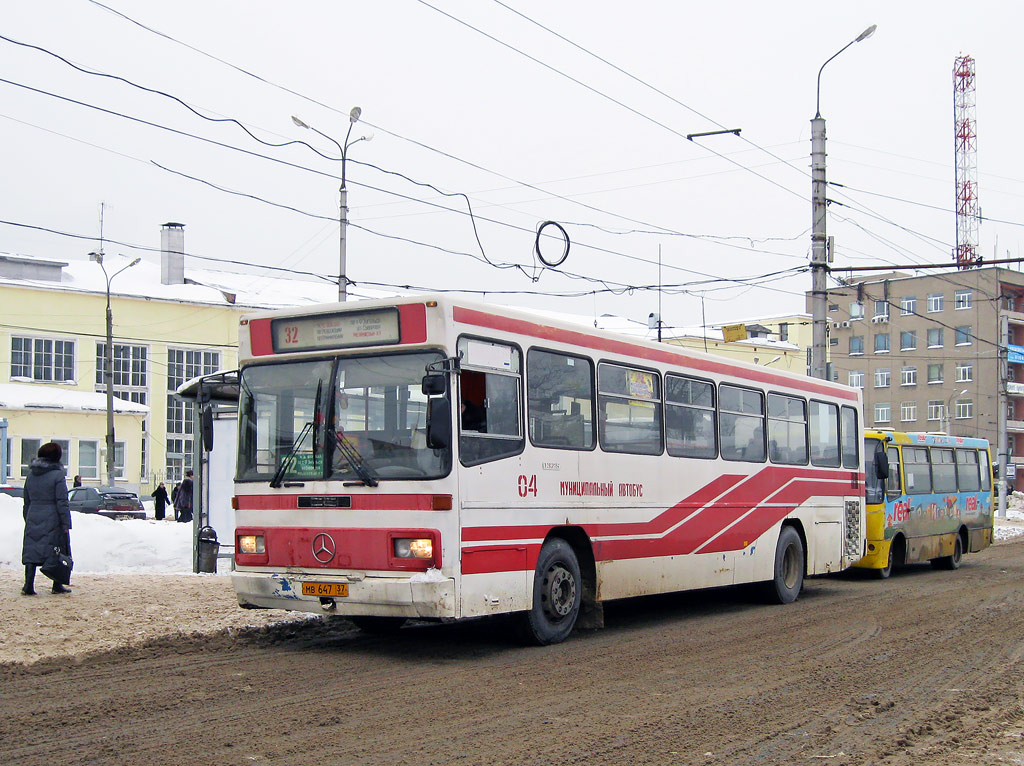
(433, 458)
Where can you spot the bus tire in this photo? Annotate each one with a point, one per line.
(884, 572)
(557, 594)
(377, 626)
(789, 568)
(954, 561)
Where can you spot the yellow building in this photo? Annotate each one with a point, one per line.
(168, 327)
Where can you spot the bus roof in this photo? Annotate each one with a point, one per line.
(924, 438)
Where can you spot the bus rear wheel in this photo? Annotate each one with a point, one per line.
(885, 571)
(954, 561)
(557, 594)
(789, 568)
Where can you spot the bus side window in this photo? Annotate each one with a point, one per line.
(916, 471)
(986, 471)
(824, 434)
(967, 476)
(490, 396)
(560, 400)
(850, 438)
(741, 424)
(893, 485)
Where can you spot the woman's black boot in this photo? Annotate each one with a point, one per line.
(30, 579)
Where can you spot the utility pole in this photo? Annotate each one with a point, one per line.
(819, 261)
(1001, 400)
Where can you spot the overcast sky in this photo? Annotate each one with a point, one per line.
(475, 97)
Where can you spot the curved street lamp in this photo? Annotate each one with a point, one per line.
(353, 118)
(949, 409)
(108, 372)
(819, 265)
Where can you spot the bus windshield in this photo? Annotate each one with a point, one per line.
(351, 419)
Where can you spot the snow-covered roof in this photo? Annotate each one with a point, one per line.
(203, 286)
(33, 396)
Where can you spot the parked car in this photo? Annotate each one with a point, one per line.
(112, 502)
(7, 489)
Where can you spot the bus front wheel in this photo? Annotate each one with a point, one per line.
(789, 568)
(557, 594)
(954, 561)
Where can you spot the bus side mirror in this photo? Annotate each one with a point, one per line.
(206, 427)
(439, 422)
(881, 464)
(433, 385)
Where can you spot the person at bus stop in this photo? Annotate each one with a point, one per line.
(160, 502)
(183, 499)
(47, 515)
(77, 482)
(474, 418)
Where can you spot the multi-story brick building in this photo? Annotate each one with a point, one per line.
(928, 352)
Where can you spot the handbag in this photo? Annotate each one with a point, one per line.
(59, 567)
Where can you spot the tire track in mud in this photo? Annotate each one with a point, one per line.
(919, 669)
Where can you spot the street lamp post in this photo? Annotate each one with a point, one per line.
(819, 266)
(949, 410)
(108, 372)
(353, 117)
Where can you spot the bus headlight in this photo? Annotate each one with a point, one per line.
(251, 544)
(414, 548)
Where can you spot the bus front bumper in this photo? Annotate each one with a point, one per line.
(429, 596)
(877, 556)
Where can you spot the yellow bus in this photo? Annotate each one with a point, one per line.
(928, 498)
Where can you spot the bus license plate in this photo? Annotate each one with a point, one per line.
(328, 589)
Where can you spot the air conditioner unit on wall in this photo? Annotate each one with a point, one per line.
(880, 319)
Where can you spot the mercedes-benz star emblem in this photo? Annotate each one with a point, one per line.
(324, 548)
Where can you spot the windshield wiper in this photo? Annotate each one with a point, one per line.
(313, 425)
(354, 459)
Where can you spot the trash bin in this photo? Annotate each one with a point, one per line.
(208, 550)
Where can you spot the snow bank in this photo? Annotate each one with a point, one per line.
(101, 545)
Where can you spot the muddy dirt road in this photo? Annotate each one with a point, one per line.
(924, 668)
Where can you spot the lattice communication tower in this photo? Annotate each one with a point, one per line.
(965, 127)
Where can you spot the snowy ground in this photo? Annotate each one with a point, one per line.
(133, 583)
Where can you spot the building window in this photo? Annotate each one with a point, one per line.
(784, 330)
(964, 372)
(882, 343)
(882, 377)
(857, 379)
(935, 337)
(43, 359)
(29, 448)
(964, 409)
(935, 408)
(962, 299)
(833, 307)
(908, 376)
(88, 459)
(856, 345)
(936, 373)
(964, 335)
(882, 412)
(908, 305)
(908, 340)
(936, 301)
(131, 371)
(856, 310)
(182, 365)
(882, 309)
(833, 340)
(908, 412)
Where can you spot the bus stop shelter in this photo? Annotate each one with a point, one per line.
(215, 427)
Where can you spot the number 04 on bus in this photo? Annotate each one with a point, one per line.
(432, 458)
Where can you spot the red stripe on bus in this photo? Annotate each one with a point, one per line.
(261, 343)
(657, 525)
(585, 340)
(412, 323)
(410, 502)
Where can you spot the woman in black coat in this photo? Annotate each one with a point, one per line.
(159, 502)
(47, 515)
